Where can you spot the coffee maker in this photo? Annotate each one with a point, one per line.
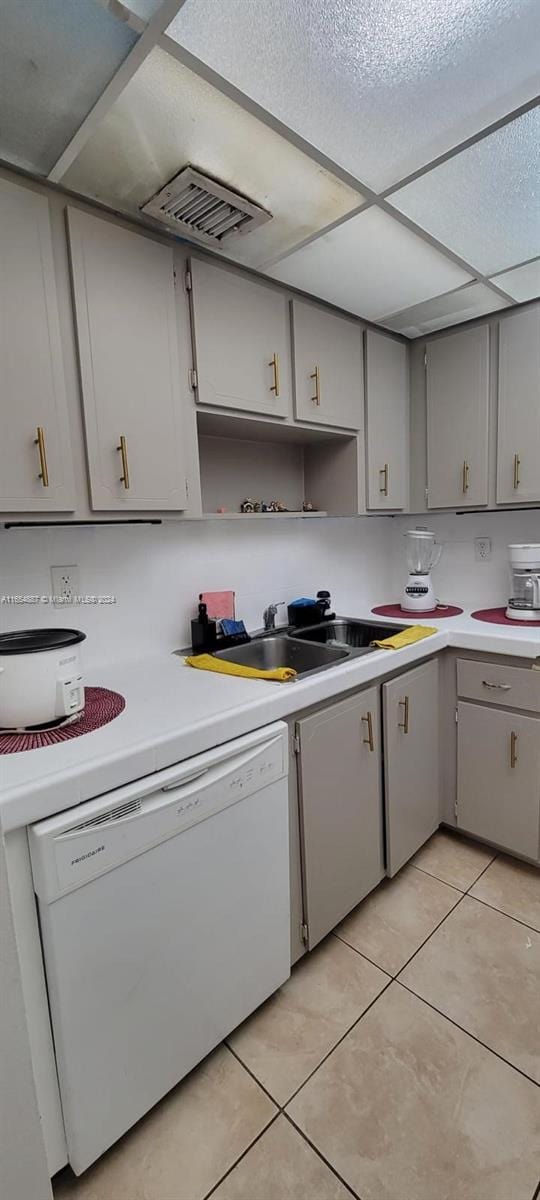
(524, 603)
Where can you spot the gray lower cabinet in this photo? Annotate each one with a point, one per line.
(498, 791)
(411, 762)
(339, 773)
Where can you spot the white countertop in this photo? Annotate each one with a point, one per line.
(173, 712)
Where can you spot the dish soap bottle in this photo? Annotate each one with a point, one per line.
(203, 631)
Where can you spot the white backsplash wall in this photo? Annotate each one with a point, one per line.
(459, 578)
(156, 573)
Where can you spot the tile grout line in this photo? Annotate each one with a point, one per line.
(502, 913)
(445, 881)
(253, 1076)
(338, 1043)
(467, 1033)
(320, 1155)
(242, 1155)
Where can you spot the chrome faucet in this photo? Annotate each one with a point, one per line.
(269, 615)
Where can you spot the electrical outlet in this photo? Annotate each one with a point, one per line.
(65, 585)
(482, 549)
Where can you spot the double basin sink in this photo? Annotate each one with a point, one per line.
(314, 648)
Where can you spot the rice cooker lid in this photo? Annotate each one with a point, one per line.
(30, 641)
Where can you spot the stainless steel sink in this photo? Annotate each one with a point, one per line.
(267, 653)
(356, 635)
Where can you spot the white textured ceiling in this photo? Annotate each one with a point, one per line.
(395, 142)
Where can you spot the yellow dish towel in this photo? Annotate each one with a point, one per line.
(414, 633)
(207, 662)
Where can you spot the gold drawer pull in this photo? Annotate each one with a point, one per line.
(39, 441)
(500, 687)
(513, 749)
(122, 449)
(465, 482)
(404, 724)
(369, 741)
(517, 465)
(384, 471)
(274, 363)
(316, 375)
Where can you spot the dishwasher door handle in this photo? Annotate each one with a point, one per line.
(184, 779)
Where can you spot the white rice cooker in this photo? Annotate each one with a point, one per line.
(40, 676)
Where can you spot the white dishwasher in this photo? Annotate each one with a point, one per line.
(164, 912)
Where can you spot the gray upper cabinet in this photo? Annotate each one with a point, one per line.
(499, 777)
(241, 340)
(36, 472)
(126, 326)
(339, 767)
(411, 762)
(457, 370)
(328, 367)
(387, 418)
(518, 451)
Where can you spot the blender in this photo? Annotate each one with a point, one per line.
(524, 603)
(422, 555)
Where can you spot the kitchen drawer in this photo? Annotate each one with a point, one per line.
(512, 687)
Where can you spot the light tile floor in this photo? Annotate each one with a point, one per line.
(398, 1063)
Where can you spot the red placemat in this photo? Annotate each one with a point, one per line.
(395, 610)
(101, 706)
(497, 616)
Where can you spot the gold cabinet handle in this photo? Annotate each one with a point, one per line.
(316, 375)
(39, 441)
(517, 465)
(465, 480)
(404, 724)
(122, 449)
(513, 749)
(499, 687)
(369, 741)
(274, 363)
(384, 471)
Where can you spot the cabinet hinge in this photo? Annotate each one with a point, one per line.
(456, 810)
(304, 934)
(193, 381)
(188, 281)
(456, 716)
(187, 487)
(426, 493)
(296, 744)
(425, 359)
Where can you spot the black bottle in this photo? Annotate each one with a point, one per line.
(203, 632)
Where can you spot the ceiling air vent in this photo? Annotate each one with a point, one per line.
(196, 206)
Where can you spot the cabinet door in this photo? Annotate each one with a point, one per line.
(328, 367)
(126, 327)
(411, 764)
(341, 809)
(242, 342)
(518, 451)
(387, 414)
(35, 468)
(498, 795)
(457, 419)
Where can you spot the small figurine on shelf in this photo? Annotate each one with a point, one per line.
(247, 506)
(277, 506)
(308, 506)
(258, 506)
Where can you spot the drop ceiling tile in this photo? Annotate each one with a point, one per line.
(168, 117)
(523, 283)
(473, 300)
(485, 202)
(56, 57)
(370, 265)
(380, 86)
